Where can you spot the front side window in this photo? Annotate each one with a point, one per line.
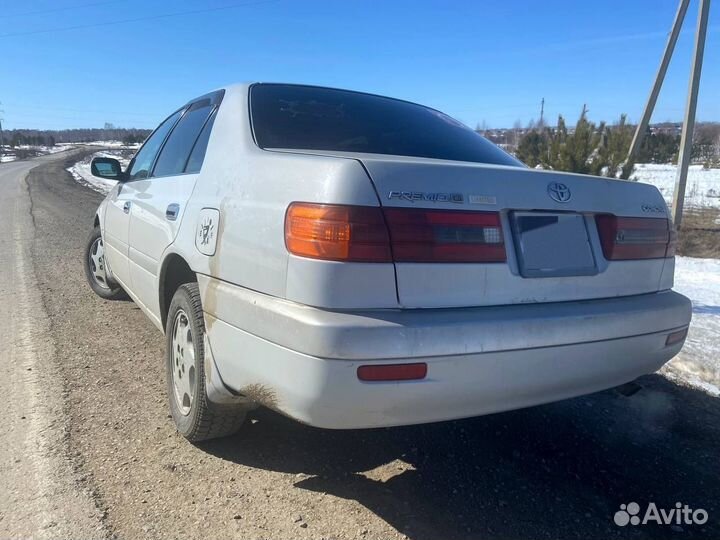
(176, 152)
(311, 118)
(143, 160)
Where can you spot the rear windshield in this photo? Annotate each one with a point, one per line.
(310, 118)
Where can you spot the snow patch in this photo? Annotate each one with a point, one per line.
(81, 171)
(9, 153)
(698, 364)
(702, 189)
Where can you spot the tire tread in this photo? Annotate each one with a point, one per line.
(212, 420)
(114, 293)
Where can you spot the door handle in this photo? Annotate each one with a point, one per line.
(126, 207)
(172, 211)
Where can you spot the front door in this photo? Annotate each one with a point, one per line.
(159, 201)
(157, 211)
(115, 233)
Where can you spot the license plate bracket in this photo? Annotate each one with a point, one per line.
(552, 244)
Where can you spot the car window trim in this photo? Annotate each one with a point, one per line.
(250, 115)
(185, 108)
(214, 99)
(192, 148)
(152, 165)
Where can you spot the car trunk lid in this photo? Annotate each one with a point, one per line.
(548, 226)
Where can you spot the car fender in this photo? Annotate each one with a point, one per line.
(100, 215)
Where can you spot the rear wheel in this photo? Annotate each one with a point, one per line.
(96, 268)
(196, 418)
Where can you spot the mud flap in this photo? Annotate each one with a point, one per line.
(215, 388)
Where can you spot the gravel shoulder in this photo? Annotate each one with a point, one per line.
(43, 493)
(556, 471)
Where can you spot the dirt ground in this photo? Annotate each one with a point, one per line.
(556, 471)
(699, 235)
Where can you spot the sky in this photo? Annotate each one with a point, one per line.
(82, 63)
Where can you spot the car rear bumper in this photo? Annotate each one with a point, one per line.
(303, 361)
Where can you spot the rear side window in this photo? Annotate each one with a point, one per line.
(143, 160)
(310, 118)
(198, 152)
(176, 152)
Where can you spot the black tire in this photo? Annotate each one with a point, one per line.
(104, 287)
(201, 419)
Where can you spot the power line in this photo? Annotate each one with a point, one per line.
(138, 19)
(65, 8)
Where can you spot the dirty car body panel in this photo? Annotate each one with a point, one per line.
(496, 286)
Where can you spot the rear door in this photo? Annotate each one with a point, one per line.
(160, 200)
(120, 205)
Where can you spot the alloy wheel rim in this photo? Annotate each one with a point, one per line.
(183, 362)
(96, 261)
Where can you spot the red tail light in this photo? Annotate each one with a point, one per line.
(392, 372)
(372, 234)
(420, 235)
(676, 337)
(635, 238)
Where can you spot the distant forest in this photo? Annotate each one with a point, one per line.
(50, 137)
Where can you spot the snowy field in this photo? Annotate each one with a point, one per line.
(81, 170)
(703, 185)
(8, 153)
(699, 362)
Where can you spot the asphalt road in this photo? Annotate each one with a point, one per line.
(102, 434)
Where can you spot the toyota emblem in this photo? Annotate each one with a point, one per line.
(558, 192)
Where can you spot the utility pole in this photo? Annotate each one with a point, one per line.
(542, 112)
(659, 78)
(689, 123)
(690, 108)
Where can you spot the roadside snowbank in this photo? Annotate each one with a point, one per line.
(81, 171)
(10, 153)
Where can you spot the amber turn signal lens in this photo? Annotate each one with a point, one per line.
(337, 233)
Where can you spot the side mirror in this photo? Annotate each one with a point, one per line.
(109, 168)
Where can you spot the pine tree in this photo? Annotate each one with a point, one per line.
(598, 150)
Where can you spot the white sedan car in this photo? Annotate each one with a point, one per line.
(356, 261)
